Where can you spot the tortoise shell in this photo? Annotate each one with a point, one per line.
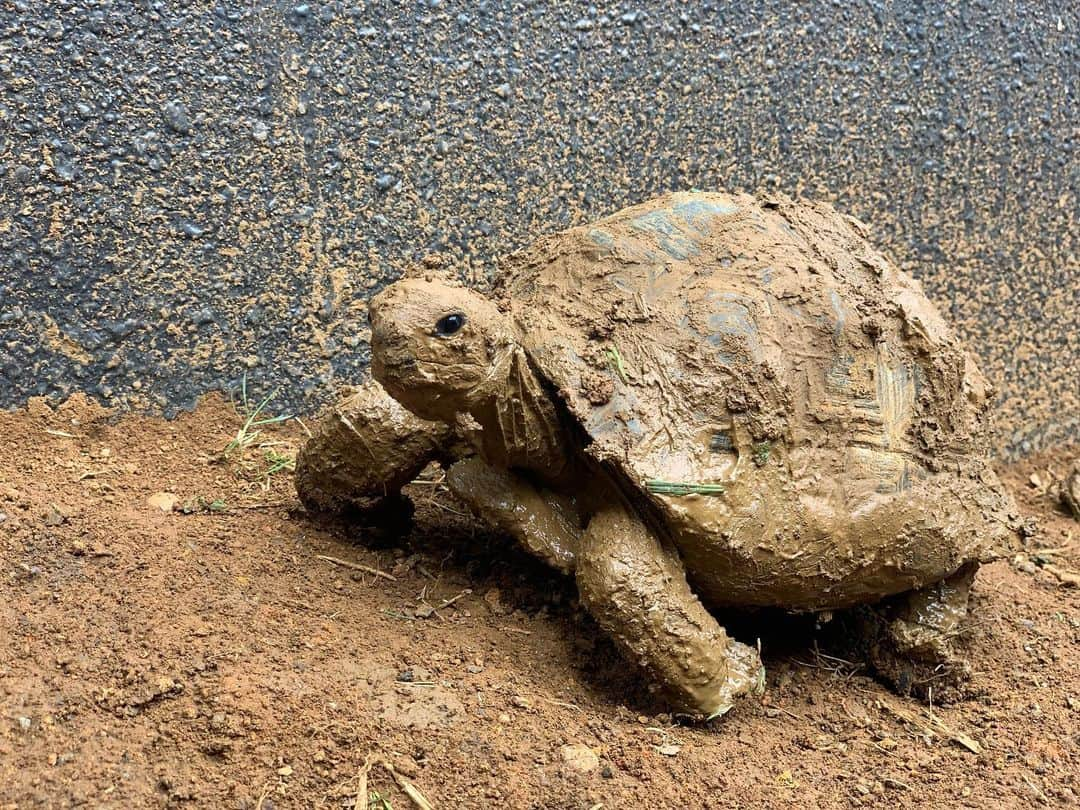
(745, 360)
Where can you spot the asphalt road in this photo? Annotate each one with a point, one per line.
(191, 193)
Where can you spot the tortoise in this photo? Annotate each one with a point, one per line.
(703, 401)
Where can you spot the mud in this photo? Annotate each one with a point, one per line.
(364, 449)
(782, 410)
(546, 523)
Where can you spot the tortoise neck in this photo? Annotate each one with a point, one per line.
(521, 425)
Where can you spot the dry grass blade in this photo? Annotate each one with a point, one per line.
(562, 703)
(932, 725)
(410, 790)
(357, 567)
(1064, 577)
(361, 782)
(263, 796)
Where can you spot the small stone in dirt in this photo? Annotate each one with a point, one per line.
(217, 746)
(3, 517)
(1070, 490)
(579, 757)
(504, 718)
(1022, 563)
(24, 723)
(285, 770)
(54, 517)
(607, 773)
(406, 676)
(520, 702)
(165, 501)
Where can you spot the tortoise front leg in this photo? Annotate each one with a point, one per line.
(637, 590)
(545, 523)
(363, 450)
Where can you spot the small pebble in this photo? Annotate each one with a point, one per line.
(579, 757)
(177, 118)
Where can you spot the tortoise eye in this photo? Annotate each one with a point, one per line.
(450, 324)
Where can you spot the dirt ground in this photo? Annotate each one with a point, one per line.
(172, 635)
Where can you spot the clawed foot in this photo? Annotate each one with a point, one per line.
(915, 660)
(911, 639)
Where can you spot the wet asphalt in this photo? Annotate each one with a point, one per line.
(192, 194)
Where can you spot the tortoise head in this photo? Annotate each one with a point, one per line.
(437, 347)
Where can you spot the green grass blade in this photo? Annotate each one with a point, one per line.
(680, 488)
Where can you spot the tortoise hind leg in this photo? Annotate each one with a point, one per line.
(910, 638)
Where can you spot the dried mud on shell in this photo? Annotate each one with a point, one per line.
(155, 657)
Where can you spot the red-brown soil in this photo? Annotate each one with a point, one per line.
(212, 659)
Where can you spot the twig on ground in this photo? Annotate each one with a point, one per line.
(263, 796)
(1035, 788)
(295, 604)
(1064, 577)
(361, 783)
(931, 725)
(426, 611)
(562, 703)
(410, 790)
(263, 505)
(446, 508)
(448, 602)
(357, 567)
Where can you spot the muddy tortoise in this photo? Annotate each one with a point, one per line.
(703, 401)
